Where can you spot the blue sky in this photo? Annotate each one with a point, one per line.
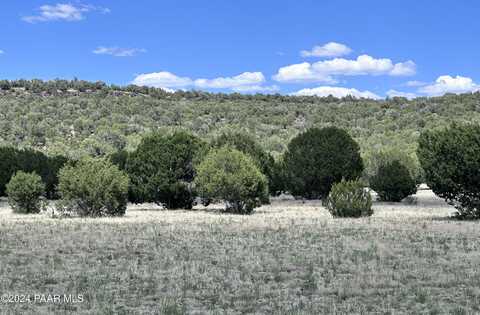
(363, 48)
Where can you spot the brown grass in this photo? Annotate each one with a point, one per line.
(287, 258)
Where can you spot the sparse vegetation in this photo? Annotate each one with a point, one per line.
(25, 191)
(349, 199)
(93, 188)
(289, 257)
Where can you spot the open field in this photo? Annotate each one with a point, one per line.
(286, 258)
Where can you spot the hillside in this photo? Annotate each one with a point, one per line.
(78, 117)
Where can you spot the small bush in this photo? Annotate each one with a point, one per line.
(93, 187)
(349, 199)
(25, 191)
(232, 176)
(393, 182)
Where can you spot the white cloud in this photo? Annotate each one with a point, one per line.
(244, 82)
(62, 12)
(162, 79)
(336, 91)
(415, 83)
(301, 72)
(394, 93)
(118, 51)
(256, 89)
(324, 71)
(331, 49)
(244, 79)
(404, 69)
(447, 84)
(1, 52)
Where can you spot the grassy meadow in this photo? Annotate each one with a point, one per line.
(287, 258)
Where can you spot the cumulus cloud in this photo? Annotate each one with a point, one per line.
(302, 72)
(331, 49)
(244, 79)
(62, 12)
(394, 93)
(324, 71)
(404, 69)
(256, 89)
(448, 84)
(118, 51)
(336, 91)
(162, 79)
(245, 82)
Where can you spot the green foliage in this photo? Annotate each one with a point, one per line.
(27, 160)
(374, 159)
(93, 187)
(119, 158)
(230, 175)
(451, 160)
(8, 166)
(24, 192)
(318, 158)
(76, 118)
(393, 182)
(246, 143)
(349, 199)
(161, 170)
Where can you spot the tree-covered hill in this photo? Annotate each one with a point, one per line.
(76, 117)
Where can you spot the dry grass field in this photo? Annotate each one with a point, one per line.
(287, 258)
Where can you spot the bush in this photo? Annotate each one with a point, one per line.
(349, 199)
(318, 158)
(25, 191)
(8, 166)
(27, 160)
(230, 175)
(450, 158)
(376, 158)
(247, 144)
(161, 170)
(93, 187)
(393, 182)
(119, 158)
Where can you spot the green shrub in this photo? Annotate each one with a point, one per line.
(377, 157)
(349, 199)
(318, 158)
(393, 182)
(93, 187)
(161, 170)
(27, 160)
(246, 143)
(25, 191)
(451, 160)
(230, 175)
